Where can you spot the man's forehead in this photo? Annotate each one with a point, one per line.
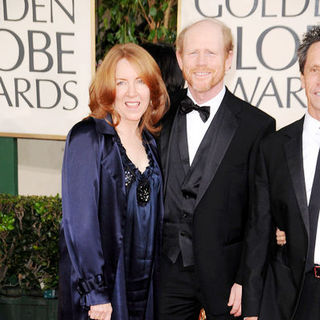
(313, 52)
(314, 47)
(202, 38)
(205, 26)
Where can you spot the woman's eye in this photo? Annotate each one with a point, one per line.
(140, 81)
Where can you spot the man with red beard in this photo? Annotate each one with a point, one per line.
(208, 147)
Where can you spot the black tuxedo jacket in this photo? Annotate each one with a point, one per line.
(222, 202)
(281, 201)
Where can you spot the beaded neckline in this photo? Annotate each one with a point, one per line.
(132, 173)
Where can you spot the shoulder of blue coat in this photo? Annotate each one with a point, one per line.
(85, 124)
(92, 126)
(82, 134)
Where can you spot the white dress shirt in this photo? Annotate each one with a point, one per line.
(310, 150)
(196, 128)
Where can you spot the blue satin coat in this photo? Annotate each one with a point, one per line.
(94, 213)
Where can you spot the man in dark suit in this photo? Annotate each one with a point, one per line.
(207, 154)
(287, 195)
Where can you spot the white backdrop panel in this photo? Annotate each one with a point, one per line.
(45, 65)
(266, 33)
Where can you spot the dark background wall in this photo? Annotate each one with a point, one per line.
(8, 166)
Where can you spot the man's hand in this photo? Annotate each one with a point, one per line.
(250, 318)
(100, 311)
(235, 300)
(281, 237)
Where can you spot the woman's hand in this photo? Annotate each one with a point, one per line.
(100, 311)
(281, 237)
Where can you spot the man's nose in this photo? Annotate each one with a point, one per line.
(202, 59)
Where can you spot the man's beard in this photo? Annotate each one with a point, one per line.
(199, 85)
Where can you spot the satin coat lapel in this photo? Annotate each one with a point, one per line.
(293, 151)
(112, 152)
(112, 159)
(153, 145)
(225, 134)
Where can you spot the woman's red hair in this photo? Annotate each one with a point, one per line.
(103, 87)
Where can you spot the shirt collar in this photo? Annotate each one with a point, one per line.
(312, 126)
(214, 102)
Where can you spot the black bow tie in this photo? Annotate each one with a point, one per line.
(187, 105)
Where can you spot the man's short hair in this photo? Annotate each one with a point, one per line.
(309, 38)
(226, 32)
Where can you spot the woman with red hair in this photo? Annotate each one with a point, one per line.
(112, 194)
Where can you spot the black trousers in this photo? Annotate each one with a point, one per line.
(309, 304)
(180, 296)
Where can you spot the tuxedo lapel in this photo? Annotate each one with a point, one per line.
(293, 151)
(165, 146)
(164, 139)
(168, 125)
(219, 146)
(183, 142)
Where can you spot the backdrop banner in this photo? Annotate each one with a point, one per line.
(266, 33)
(45, 66)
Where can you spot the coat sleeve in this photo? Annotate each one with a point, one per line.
(264, 132)
(259, 231)
(80, 206)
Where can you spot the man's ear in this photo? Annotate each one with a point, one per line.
(228, 62)
(303, 85)
(179, 59)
